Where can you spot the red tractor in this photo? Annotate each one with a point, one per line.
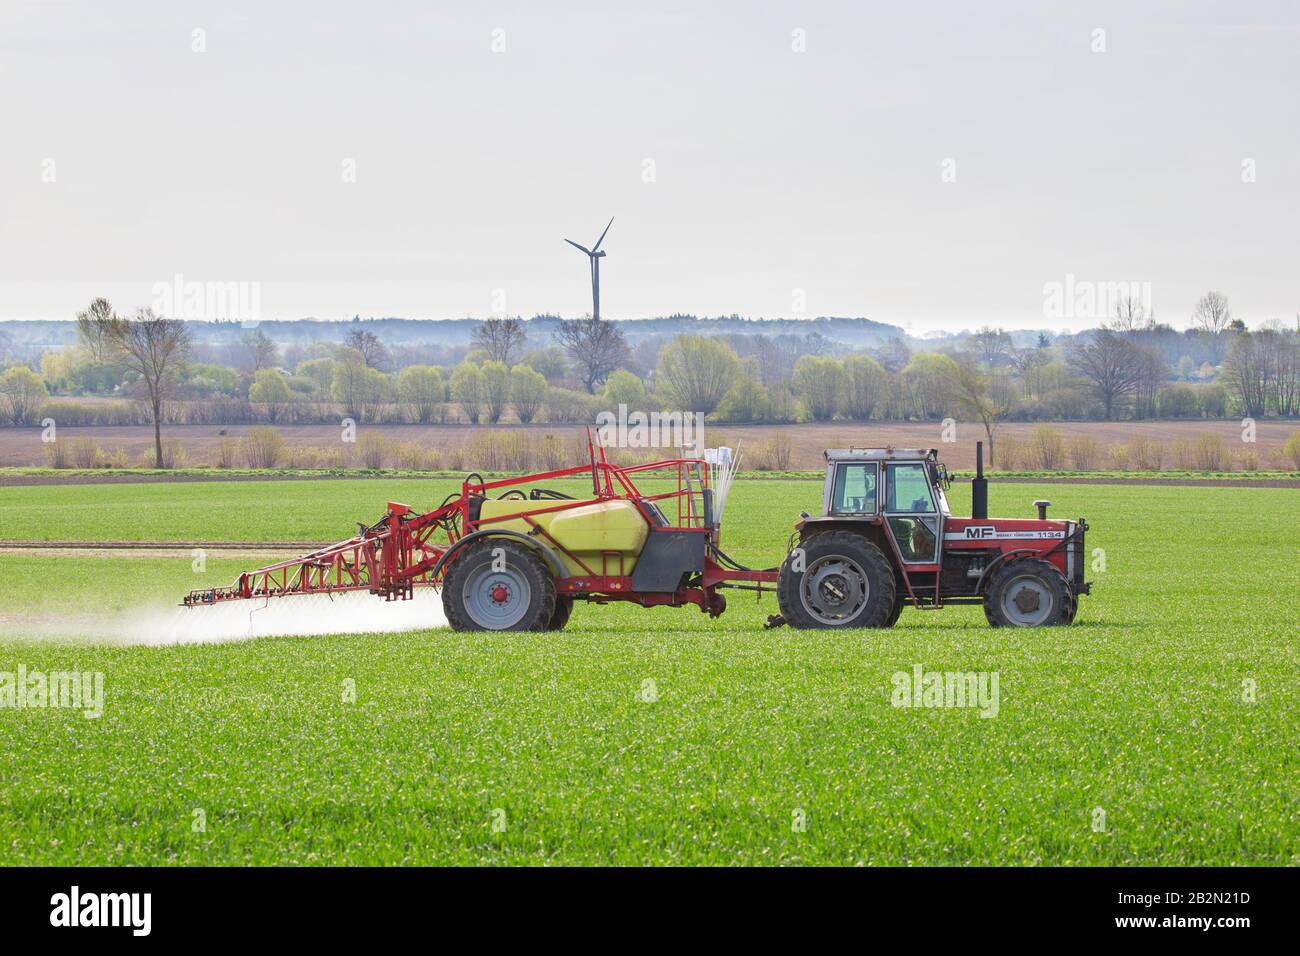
(510, 554)
(887, 537)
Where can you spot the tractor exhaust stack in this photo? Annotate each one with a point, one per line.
(979, 486)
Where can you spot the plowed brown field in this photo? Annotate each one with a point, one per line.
(23, 447)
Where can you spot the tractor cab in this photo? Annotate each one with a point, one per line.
(901, 488)
(904, 480)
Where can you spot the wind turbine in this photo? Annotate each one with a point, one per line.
(595, 255)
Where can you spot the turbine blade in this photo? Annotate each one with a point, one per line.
(602, 235)
(576, 246)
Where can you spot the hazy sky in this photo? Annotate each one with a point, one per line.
(740, 169)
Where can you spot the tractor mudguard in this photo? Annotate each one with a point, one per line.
(1006, 558)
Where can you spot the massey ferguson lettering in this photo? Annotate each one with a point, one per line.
(987, 532)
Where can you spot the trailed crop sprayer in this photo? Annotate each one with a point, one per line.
(512, 554)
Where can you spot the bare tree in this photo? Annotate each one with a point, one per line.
(1286, 370)
(1212, 313)
(596, 348)
(1212, 318)
(1026, 362)
(260, 352)
(501, 339)
(777, 355)
(1111, 366)
(152, 347)
(1248, 370)
(374, 352)
(91, 325)
(1152, 371)
(1130, 316)
(893, 355)
(978, 397)
(990, 344)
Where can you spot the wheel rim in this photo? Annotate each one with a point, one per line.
(834, 589)
(496, 600)
(1027, 601)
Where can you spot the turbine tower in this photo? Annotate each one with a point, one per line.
(595, 255)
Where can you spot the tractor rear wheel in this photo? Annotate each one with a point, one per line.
(1027, 593)
(899, 601)
(499, 585)
(846, 581)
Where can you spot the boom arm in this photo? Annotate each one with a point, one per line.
(388, 558)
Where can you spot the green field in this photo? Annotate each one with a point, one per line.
(1137, 710)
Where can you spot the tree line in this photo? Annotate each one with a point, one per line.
(1130, 367)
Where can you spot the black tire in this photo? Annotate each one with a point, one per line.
(899, 601)
(563, 608)
(1027, 593)
(471, 585)
(847, 582)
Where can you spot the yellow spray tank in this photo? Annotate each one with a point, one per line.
(607, 536)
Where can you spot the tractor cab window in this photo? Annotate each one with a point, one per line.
(855, 489)
(913, 521)
(909, 489)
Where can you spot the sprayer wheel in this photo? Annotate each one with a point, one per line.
(498, 585)
(563, 608)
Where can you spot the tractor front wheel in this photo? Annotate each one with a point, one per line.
(1027, 593)
(845, 581)
(499, 585)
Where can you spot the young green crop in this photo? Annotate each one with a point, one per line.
(664, 736)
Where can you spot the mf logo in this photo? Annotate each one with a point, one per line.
(981, 531)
